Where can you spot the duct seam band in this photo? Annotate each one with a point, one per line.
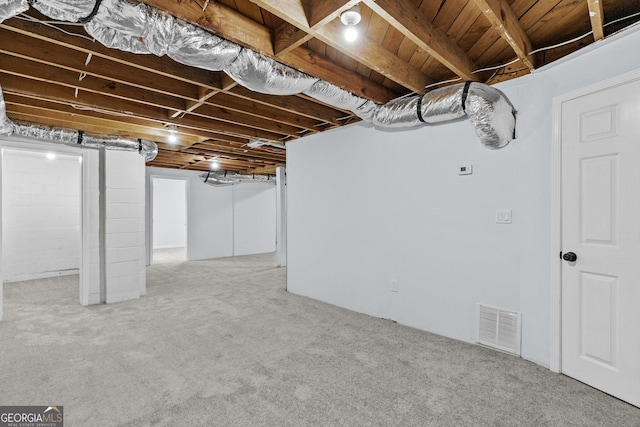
(93, 13)
(465, 93)
(419, 110)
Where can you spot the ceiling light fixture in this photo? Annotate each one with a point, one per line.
(351, 18)
(215, 165)
(173, 133)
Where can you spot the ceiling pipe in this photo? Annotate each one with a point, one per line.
(147, 149)
(142, 29)
(224, 178)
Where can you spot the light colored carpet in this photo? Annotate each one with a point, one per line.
(221, 343)
(168, 255)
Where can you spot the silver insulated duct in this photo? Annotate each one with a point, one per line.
(142, 29)
(148, 149)
(488, 110)
(221, 179)
(10, 8)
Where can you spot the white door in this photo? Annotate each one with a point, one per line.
(601, 226)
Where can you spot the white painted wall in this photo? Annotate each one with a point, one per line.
(254, 224)
(169, 213)
(41, 215)
(124, 225)
(90, 270)
(211, 215)
(366, 206)
(112, 216)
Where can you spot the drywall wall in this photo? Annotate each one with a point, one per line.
(367, 206)
(254, 213)
(211, 216)
(169, 213)
(40, 214)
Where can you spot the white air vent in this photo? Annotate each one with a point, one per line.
(499, 329)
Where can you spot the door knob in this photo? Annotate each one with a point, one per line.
(570, 256)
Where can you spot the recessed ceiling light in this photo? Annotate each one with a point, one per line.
(51, 156)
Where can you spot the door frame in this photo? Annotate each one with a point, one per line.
(153, 177)
(25, 144)
(555, 364)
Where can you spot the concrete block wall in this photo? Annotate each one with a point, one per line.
(90, 271)
(41, 215)
(124, 225)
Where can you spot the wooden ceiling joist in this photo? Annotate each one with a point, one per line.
(505, 22)
(596, 16)
(320, 13)
(221, 20)
(224, 21)
(157, 65)
(412, 23)
(124, 70)
(67, 79)
(119, 107)
(366, 52)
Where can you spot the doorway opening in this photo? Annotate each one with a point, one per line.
(41, 226)
(169, 220)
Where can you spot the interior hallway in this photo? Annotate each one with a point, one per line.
(220, 342)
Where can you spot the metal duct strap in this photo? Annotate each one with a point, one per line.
(419, 110)
(89, 17)
(465, 93)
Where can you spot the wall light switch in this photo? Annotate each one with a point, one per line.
(503, 216)
(395, 286)
(465, 169)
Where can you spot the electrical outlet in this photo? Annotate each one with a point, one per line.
(395, 286)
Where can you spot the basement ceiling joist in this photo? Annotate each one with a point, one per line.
(405, 46)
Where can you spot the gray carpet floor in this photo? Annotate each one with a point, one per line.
(221, 343)
(169, 255)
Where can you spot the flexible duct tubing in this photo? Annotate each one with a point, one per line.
(142, 29)
(221, 179)
(148, 149)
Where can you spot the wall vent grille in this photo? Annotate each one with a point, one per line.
(499, 329)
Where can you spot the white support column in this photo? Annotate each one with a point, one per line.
(90, 270)
(281, 217)
(124, 225)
